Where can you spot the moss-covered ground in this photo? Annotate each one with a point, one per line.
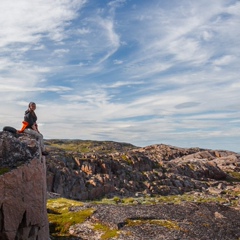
(164, 223)
(107, 232)
(61, 218)
(88, 146)
(173, 199)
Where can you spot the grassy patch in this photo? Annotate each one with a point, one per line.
(117, 200)
(60, 218)
(84, 148)
(88, 146)
(235, 175)
(177, 199)
(164, 223)
(126, 159)
(172, 199)
(4, 170)
(129, 200)
(107, 231)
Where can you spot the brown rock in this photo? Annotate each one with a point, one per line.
(23, 212)
(156, 169)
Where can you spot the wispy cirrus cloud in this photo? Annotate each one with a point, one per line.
(138, 71)
(24, 22)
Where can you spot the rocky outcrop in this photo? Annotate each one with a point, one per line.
(23, 212)
(155, 192)
(153, 170)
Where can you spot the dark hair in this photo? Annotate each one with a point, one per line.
(31, 103)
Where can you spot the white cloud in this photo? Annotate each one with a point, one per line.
(11, 88)
(60, 52)
(137, 71)
(112, 40)
(189, 50)
(225, 60)
(207, 35)
(122, 83)
(83, 31)
(24, 22)
(118, 62)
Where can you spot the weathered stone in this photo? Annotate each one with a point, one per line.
(163, 221)
(156, 169)
(23, 212)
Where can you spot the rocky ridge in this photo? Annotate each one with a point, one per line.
(155, 192)
(157, 169)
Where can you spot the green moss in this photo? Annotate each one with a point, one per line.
(88, 146)
(107, 231)
(62, 204)
(72, 147)
(234, 197)
(126, 159)
(105, 201)
(60, 218)
(164, 223)
(172, 199)
(129, 200)
(235, 175)
(177, 199)
(117, 199)
(60, 223)
(4, 170)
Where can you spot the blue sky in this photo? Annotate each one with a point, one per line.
(137, 71)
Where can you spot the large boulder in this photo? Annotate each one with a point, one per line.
(23, 195)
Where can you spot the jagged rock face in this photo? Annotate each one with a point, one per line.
(157, 169)
(22, 189)
(17, 149)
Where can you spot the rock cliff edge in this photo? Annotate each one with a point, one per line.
(23, 198)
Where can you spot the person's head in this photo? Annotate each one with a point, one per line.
(32, 106)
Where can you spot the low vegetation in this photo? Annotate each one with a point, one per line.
(88, 146)
(172, 199)
(161, 222)
(235, 176)
(107, 232)
(60, 218)
(92, 217)
(4, 170)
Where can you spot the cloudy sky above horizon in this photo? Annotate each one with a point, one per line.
(137, 71)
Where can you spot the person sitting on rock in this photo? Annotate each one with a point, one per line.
(30, 126)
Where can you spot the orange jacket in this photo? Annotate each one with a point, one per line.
(24, 126)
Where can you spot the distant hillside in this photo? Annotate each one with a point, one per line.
(84, 170)
(88, 146)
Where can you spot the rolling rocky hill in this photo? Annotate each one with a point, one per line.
(154, 192)
(87, 170)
